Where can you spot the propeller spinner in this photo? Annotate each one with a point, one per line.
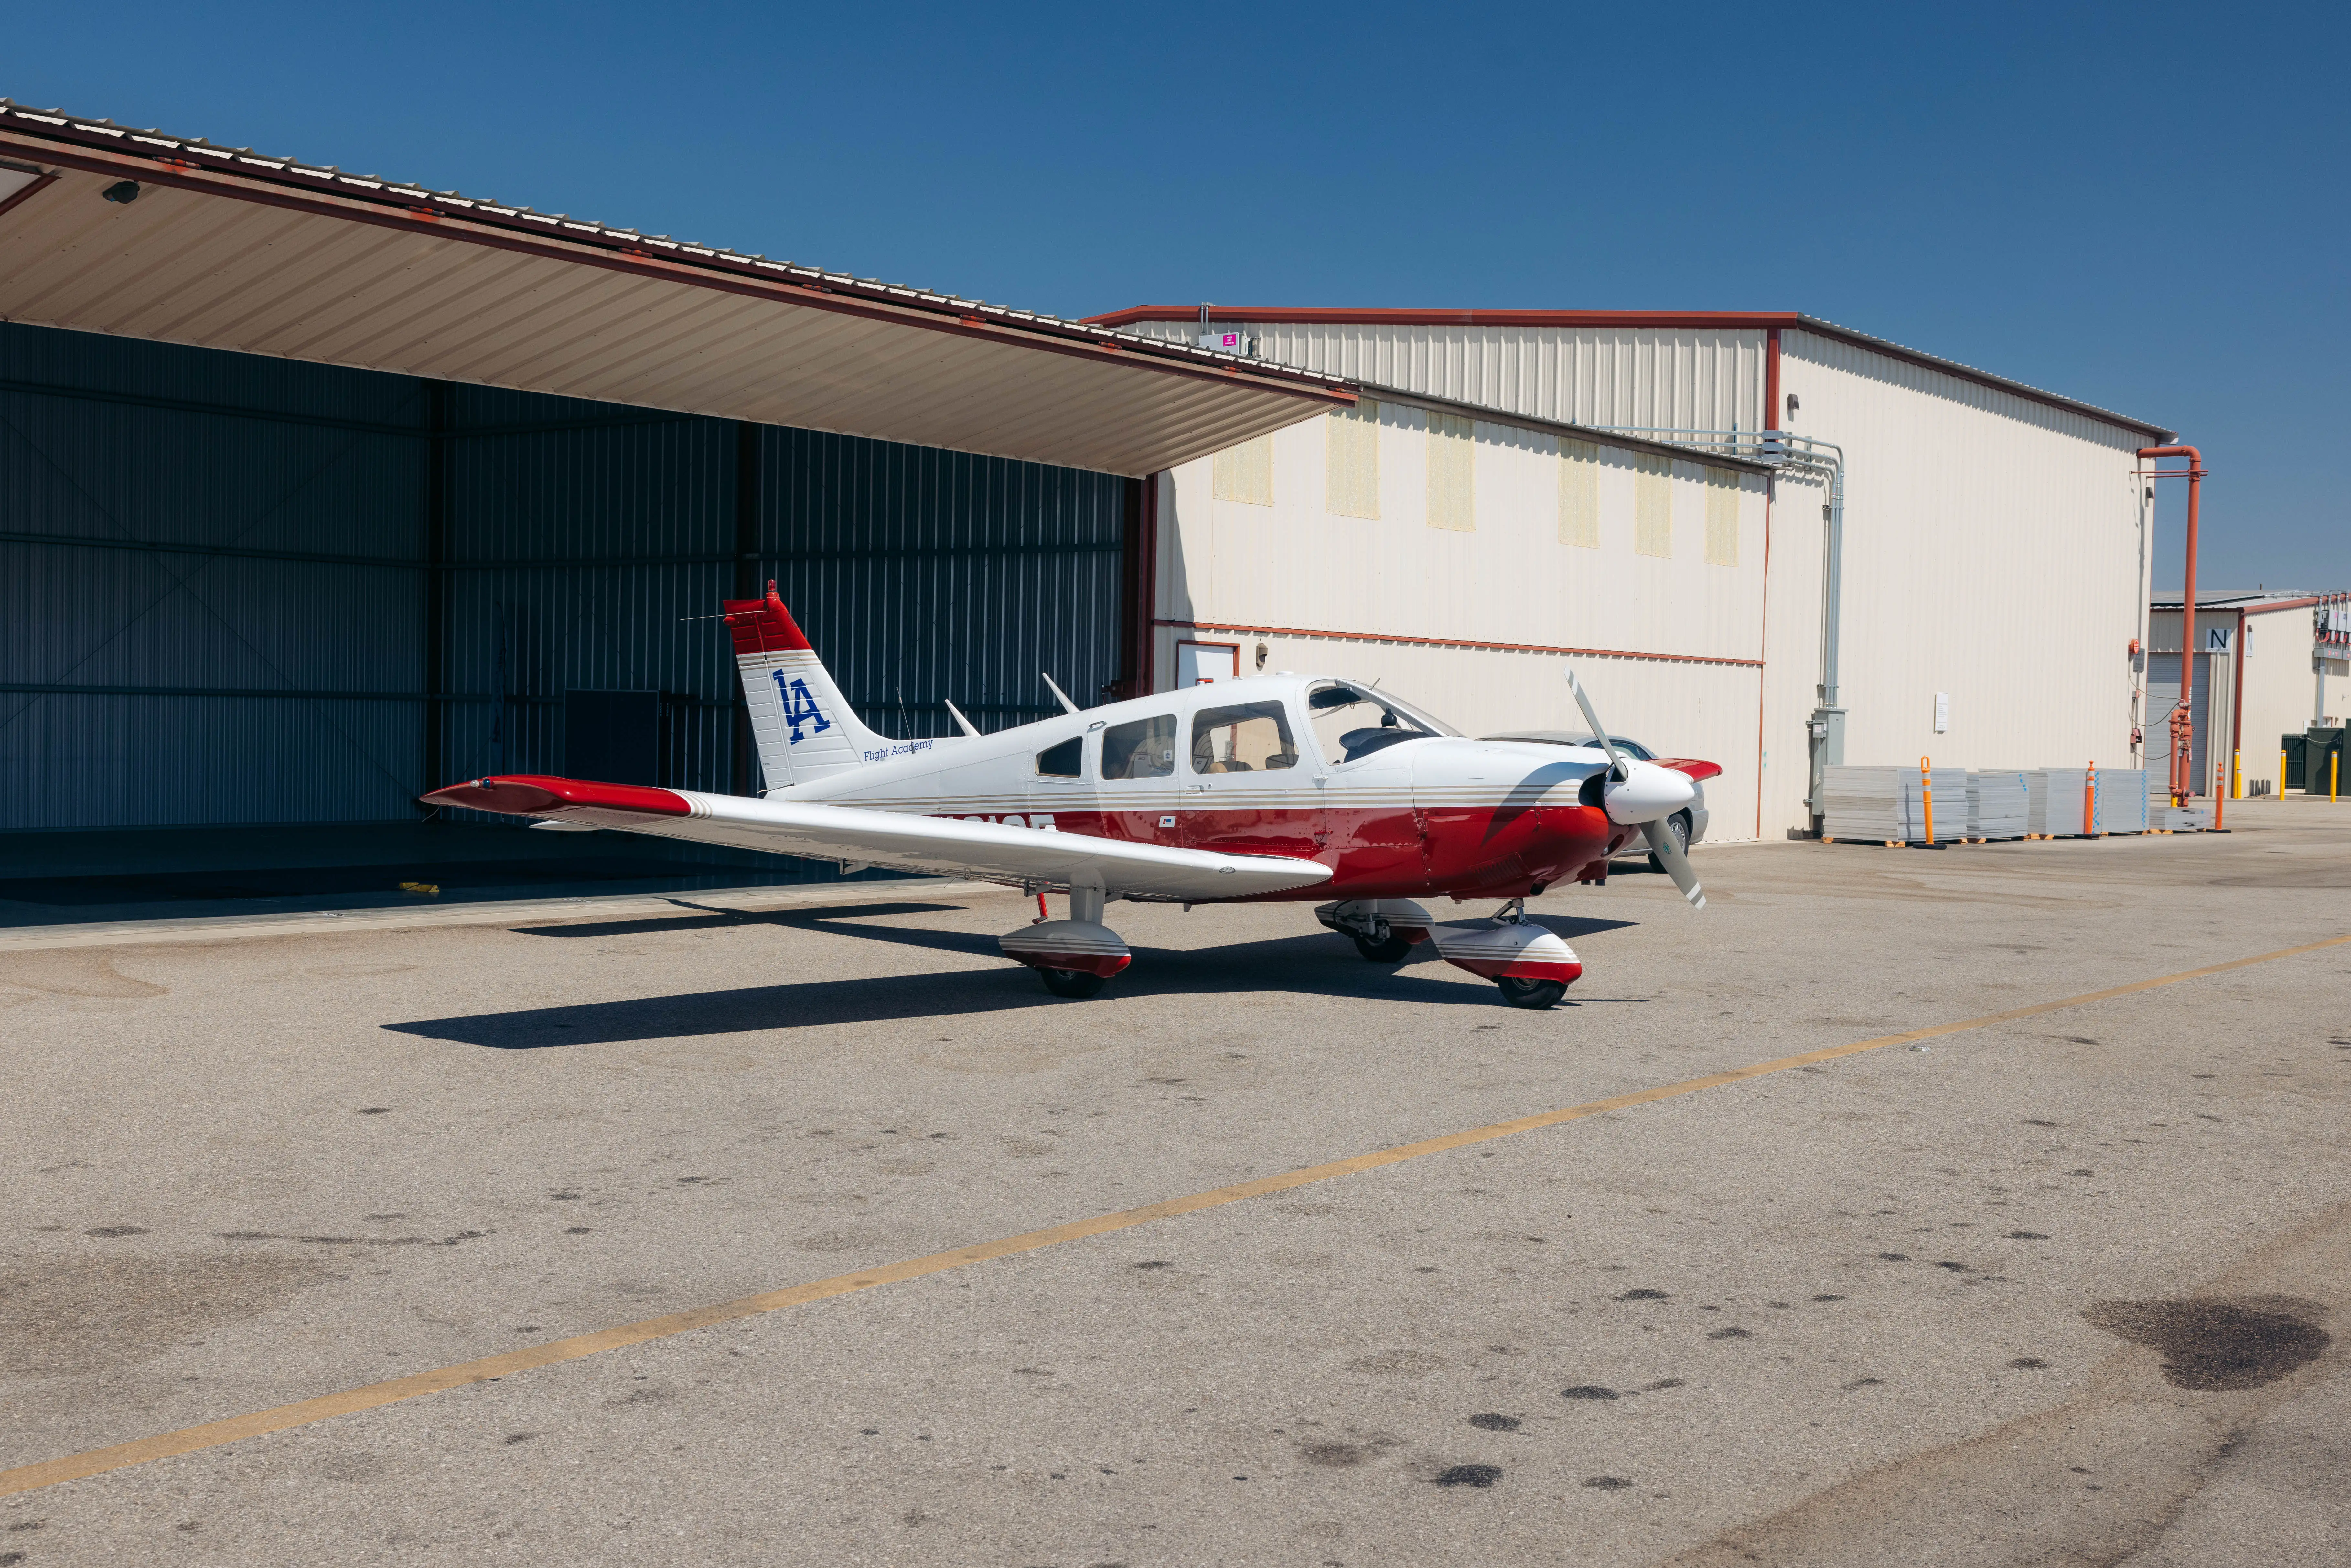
(1645, 794)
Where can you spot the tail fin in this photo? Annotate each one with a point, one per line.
(803, 727)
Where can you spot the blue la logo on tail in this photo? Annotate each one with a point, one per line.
(799, 707)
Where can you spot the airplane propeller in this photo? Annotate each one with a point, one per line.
(1645, 794)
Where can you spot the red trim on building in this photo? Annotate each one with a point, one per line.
(40, 182)
(1454, 642)
(1732, 320)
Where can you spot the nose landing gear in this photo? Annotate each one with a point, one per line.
(1531, 967)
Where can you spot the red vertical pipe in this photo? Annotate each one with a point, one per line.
(1771, 380)
(2183, 718)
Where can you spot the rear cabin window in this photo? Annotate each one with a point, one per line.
(1141, 748)
(1250, 737)
(1063, 761)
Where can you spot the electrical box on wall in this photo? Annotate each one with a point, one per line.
(1942, 712)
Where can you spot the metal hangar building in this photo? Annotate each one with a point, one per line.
(1770, 541)
(323, 490)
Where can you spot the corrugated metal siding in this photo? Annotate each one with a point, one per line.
(1702, 380)
(588, 546)
(576, 555)
(1991, 553)
(597, 559)
(95, 458)
(925, 577)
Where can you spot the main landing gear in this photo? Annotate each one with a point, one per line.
(1384, 929)
(1531, 967)
(1075, 957)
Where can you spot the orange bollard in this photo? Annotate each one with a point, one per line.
(1927, 796)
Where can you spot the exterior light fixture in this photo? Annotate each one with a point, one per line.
(122, 191)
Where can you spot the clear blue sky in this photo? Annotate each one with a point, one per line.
(2140, 206)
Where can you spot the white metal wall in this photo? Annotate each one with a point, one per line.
(1387, 598)
(1995, 552)
(1991, 552)
(1686, 379)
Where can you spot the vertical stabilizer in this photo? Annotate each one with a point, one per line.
(799, 720)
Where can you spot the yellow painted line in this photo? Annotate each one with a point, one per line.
(213, 1434)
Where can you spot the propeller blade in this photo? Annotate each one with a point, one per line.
(1616, 768)
(1676, 861)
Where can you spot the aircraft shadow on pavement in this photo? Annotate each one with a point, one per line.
(1317, 963)
(712, 916)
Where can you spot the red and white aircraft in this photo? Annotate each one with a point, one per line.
(1275, 788)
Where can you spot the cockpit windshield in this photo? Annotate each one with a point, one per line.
(1352, 720)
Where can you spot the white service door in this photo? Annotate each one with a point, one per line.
(1198, 663)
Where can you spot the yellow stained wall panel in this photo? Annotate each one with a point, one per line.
(1452, 461)
(1653, 505)
(1350, 461)
(1579, 494)
(1245, 473)
(1722, 516)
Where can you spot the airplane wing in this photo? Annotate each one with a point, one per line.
(901, 840)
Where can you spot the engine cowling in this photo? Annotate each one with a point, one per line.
(1647, 793)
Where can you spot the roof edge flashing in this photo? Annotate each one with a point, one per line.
(1661, 320)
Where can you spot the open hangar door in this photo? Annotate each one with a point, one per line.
(244, 592)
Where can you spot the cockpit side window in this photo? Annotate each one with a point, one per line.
(1140, 749)
(1248, 738)
(1064, 760)
(1350, 722)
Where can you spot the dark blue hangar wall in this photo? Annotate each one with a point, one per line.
(236, 589)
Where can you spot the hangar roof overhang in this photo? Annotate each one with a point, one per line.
(1630, 320)
(223, 248)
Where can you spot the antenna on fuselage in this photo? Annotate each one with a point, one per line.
(1067, 706)
(961, 723)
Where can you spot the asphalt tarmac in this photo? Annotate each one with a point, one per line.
(2066, 1287)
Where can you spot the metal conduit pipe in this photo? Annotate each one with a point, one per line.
(2183, 717)
(1822, 460)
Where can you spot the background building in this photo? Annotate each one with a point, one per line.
(1994, 563)
(2269, 664)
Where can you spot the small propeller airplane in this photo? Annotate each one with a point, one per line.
(1274, 787)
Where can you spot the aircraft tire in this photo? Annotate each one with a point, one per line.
(1391, 950)
(1074, 983)
(1536, 994)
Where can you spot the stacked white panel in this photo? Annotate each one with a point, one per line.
(1998, 804)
